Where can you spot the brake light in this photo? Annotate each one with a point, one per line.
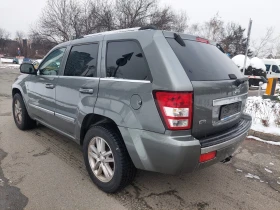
(198, 39)
(175, 108)
(207, 156)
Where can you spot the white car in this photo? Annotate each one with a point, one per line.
(272, 67)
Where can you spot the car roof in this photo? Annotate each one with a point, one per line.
(123, 34)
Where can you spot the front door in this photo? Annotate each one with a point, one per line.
(41, 89)
(77, 88)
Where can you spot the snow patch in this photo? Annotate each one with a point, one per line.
(264, 141)
(257, 64)
(267, 170)
(239, 170)
(271, 164)
(278, 182)
(239, 61)
(6, 60)
(265, 114)
(251, 176)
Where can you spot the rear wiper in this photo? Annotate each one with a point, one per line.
(240, 81)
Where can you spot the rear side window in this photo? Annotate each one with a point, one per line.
(267, 67)
(125, 60)
(204, 62)
(275, 69)
(82, 61)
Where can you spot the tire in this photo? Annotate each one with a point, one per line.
(123, 169)
(26, 122)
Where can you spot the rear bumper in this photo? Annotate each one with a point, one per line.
(174, 154)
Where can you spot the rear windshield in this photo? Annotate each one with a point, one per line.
(204, 61)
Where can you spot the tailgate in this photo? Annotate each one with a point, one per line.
(218, 105)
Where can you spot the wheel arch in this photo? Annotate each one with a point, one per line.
(93, 120)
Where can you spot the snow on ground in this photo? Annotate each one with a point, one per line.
(6, 60)
(265, 114)
(252, 176)
(9, 66)
(264, 141)
(257, 64)
(239, 61)
(267, 170)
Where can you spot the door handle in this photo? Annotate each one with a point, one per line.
(86, 91)
(50, 86)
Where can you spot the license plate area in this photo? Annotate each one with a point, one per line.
(229, 110)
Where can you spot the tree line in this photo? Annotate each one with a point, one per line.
(64, 20)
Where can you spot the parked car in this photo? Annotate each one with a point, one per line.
(272, 68)
(26, 60)
(15, 61)
(138, 98)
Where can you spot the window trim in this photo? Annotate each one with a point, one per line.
(69, 51)
(65, 51)
(121, 79)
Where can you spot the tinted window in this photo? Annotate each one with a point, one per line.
(204, 61)
(82, 61)
(51, 64)
(126, 60)
(267, 67)
(275, 69)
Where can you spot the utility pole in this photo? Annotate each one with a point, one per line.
(247, 44)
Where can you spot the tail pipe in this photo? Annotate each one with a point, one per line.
(227, 159)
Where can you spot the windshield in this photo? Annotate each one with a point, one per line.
(204, 62)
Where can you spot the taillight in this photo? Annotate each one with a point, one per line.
(176, 109)
(207, 156)
(198, 39)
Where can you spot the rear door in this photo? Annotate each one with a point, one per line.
(77, 87)
(218, 99)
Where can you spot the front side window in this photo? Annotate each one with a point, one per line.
(125, 60)
(82, 61)
(275, 69)
(51, 64)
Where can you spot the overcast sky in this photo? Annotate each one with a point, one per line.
(21, 14)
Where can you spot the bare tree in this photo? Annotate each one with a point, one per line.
(213, 29)
(134, 13)
(20, 35)
(4, 34)
(265, 46)
(63, 20)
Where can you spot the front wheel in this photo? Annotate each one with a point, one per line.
(107, 160)
(21, 117)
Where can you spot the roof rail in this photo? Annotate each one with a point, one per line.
(148, 27)
(123, 30)
(113, 32)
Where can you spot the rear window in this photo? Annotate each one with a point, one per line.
(204, 62)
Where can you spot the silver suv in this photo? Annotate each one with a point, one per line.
(137, 98)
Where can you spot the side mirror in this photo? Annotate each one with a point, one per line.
(27, 68)
(121, 62)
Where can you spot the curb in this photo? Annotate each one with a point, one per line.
(264, 136)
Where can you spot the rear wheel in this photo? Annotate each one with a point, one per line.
(21, 117)
(107, 160)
